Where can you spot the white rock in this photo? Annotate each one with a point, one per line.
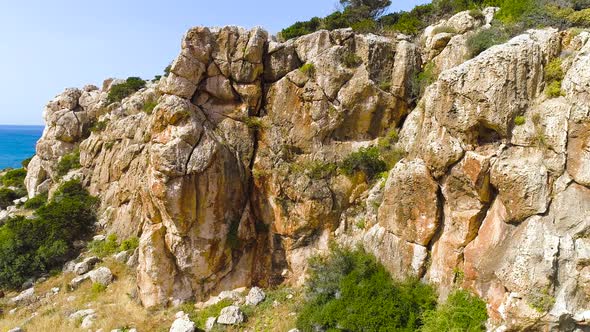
(255, 296)
(16, 329)
(100, 237)
(182, 323)
(230, 316)
(55, 290)
(81, 314)
(25, 297)
(122, 256)
(88, 321)
(102, 275)
(86, 265)
(210, 323)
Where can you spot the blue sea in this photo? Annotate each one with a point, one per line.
(17, 143)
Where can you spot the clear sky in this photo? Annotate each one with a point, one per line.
(46, 46)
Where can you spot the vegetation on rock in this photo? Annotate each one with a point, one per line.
(350, 290)
(366, 160)
(14, 178)
(120, 91)
(69, 162)
(462, 311)
(30, 247)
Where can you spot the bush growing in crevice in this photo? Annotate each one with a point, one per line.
(519, 120)
(366, 160)
(553, 77)
(308, 69)
(423, 79)
(315, 169)
(99, 126)
(148, 106)
(111, 245)
(68, 162)
(351, 60)
(485, 39)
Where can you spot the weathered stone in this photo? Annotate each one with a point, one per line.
(25, 297)
(86, 265)
(521, 178)
(410, 204)
(255, 296)
(182, 323)
(231, 315)
(102, 275)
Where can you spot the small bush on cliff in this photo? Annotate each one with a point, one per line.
(36, 202)
(30, 247)
(462, 312)
(485, 39)
(351, 291)
(366, 160)
(6, 197)
(423, 79)
(15, 178)
(519, 120)
(553, 77)
(308, 69)
(123, 90)
(68, 162)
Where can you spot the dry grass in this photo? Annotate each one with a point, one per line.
(116, 308)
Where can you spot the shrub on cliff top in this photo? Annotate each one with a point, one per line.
(123, 90)
(485, 39)
(351, 291)
(30, 247)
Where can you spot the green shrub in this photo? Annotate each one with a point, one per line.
(385, 86)
(462, 312)
(350, 291)
(36, 202)
(315, 169)
(308, 69)
(553, 90)
(30, 247)
(301, 28)
(485, 39)
(6, 197)
(351, 60)
(364, 26)
(541, 301)
(68, 162)
(366, 160)
(123, 90)
(200, 316)
(104, 248)
(129, 244)
(15, 178)
(519, 120)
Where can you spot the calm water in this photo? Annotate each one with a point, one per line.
(17, 143)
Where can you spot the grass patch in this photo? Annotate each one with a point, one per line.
(111, 246)
(554, 76)
(254, 122)
(519, 120)
(308, 69)
(315, 169)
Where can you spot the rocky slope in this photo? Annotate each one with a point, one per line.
(221, 180)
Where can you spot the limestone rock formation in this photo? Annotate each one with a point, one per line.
(231, 179)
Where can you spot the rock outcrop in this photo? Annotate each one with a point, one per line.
(230, 180)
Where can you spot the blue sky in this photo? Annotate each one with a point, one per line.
(47, 46)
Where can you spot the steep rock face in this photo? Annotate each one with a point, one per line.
(231, 180)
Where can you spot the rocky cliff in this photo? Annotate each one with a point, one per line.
(229, 181)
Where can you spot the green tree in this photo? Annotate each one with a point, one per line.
(365, 9)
